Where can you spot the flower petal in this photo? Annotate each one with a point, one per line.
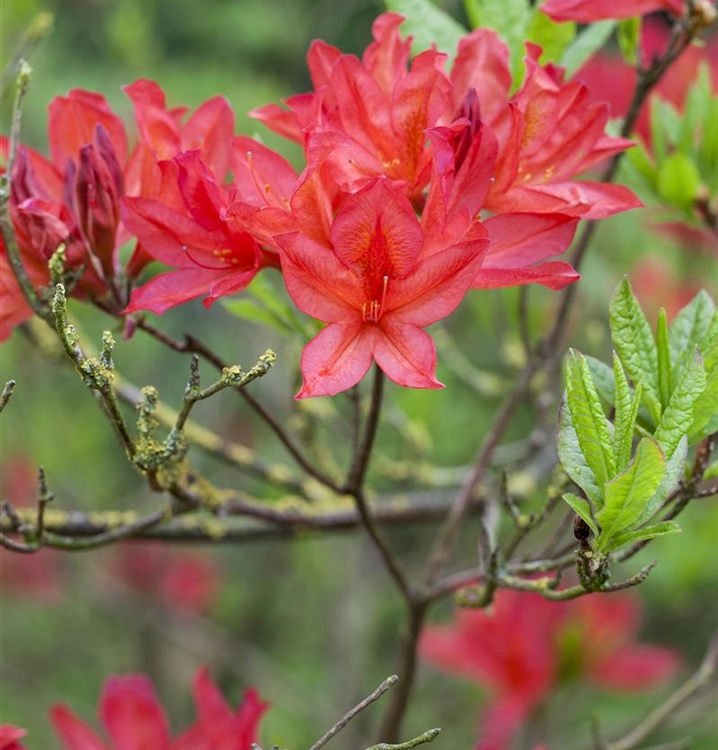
(133, 716)
(439, 282)
(336, 359)
(554, 275)
(406, 354)
(636, 667)
(211, 705)
(519, 240)
(377, 233)
(175, 287)
(74, 733)
(317, 281)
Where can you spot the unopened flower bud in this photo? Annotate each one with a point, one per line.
(98, 189)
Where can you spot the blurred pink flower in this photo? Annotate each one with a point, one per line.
(515, 651)
(656, 284)
(185, 580)
(9, 736)
(217, 726)
(134, 719)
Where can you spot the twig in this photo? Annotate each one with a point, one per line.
(22, 83)
(40, 27)
(428, 736)
(73, 544)
(277, 521)
(355, 480)
(193, 345)
(383, 688)
(96, 374)
(6, 393)
(696, 682)
(234, 454)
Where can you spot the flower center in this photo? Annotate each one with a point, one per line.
(371, 311)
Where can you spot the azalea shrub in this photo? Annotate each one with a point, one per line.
(455, 294)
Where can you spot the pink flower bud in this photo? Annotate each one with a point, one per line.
(97, 191)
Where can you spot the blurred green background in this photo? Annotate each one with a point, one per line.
(314, 623)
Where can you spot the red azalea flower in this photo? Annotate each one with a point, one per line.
(134, 720)
(508, 650)
(378, 281)
(380, 105)
(191, 231)
(129, 712)
(10, 736)
(519, 242)
(548, 132)
(587, 11)
(163, 135)
(610, 655)
(217, 726)
(75, 197)
(515, 651)
(379, 115)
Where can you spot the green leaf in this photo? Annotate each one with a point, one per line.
(511, 20)
(664, 358)
(658, 131)
(572, 459)
(636, 347)
(588, 418)
(647, 532)
(581, 507)
(627, 495)
(711, 470)
(671, 478)
(639, 158)
(709, 345)
(695, 111)
(705, 417)
(602, 376)
(277, 302)
(679, 181)
(429, 25)
(692, 327)
(678, 416)
(626, 413)
(250, 310)
(628, 34)
(554, 38)
(590, 40)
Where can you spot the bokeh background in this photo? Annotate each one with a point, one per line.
(312, 623)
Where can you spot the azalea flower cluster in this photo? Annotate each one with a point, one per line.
(134, 720)
(417, 185)
(523, 648)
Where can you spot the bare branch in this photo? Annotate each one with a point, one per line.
(383, 688)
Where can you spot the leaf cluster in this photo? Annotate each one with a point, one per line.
(678, 167)
(663, 393)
